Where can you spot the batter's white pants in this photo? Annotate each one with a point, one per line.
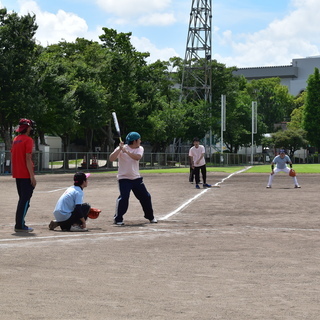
(286, 170)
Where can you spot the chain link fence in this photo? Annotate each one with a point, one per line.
(60, 162)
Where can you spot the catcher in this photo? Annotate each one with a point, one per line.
(70, 213)
(281, 161)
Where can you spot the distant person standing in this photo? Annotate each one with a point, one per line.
(281, 161)
(23, 171)
(198, 162)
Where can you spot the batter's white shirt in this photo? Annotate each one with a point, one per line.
(129, 168)
(196, 153)
(67, 202)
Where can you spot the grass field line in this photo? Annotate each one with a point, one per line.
(176, 211)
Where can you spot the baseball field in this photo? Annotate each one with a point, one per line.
(237, 251)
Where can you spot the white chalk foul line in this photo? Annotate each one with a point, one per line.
(200, 194)
(51, 190)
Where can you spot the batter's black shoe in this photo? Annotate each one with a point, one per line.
(23, 229)
(118, 223)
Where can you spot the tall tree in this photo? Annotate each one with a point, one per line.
(296, 121)
(291, 139)
(312, 110)
(17, 82)
(125, 66)
(274, 101)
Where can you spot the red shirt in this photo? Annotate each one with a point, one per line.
(22, 144)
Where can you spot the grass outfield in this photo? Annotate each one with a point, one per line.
(300, 168)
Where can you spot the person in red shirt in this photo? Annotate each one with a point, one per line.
(23, 171)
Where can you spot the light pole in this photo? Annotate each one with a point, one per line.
(223, 122)
(254, 126)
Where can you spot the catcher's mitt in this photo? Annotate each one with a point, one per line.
(292, 173)
(94, 213)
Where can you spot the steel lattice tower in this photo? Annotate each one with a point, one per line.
(197, 73)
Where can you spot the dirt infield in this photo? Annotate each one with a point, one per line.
(238, 252)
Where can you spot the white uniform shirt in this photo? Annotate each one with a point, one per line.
(128, 167)
(67, 202)
(281, 162)
(196, 153)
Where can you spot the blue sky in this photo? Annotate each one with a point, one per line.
(245, 33)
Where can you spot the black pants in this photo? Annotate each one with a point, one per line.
(203, 172)
(140, 191)
(25, 191)
(75, 217)
(191, 175)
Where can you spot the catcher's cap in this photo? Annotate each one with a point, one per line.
(24, 124)
(282, 151)
(79, 177)
(132, 136)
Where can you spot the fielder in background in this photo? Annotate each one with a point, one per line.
(70, 212)
(281, 161)
(198, 162)
(23, 171)
(129, 178)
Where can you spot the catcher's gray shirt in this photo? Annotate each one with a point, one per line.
(281, 162)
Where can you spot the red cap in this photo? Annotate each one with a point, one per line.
(24, 124)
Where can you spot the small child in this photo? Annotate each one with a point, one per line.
(70, 213)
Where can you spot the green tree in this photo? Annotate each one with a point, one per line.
(274, 101)
(312, 109)
(291, 139)
(238, 108)
(125, 69)
(74, 98)
(18, 52)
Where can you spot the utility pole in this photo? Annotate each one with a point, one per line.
(197, 73)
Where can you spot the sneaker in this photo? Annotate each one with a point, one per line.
(268, 187)
(297, 186)
(207, 185)
(24, 229)
(53, 224)
(118, 223)
(197, 186)
(154, 220)
(77, 228)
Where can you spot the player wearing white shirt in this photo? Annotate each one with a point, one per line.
(281, 161)
(198, 162)
(129, 178)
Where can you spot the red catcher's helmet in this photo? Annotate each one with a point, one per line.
(94, 213)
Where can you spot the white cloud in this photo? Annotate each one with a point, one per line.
(294, 36)
(52, 28)
(145, 45)
(123, 8)
(158, 19)
(139, 12)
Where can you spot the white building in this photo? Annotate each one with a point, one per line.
(294, 76)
